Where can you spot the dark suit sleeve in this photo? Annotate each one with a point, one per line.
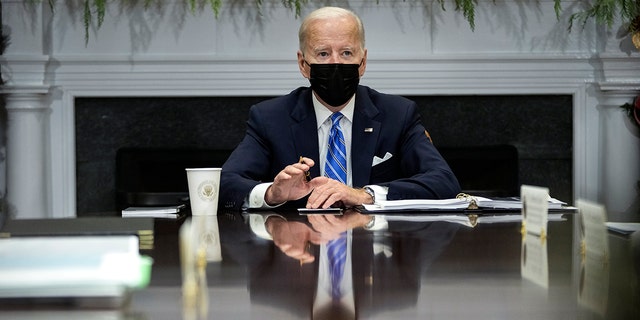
(279, 131)
(424, 173)
(245, 167)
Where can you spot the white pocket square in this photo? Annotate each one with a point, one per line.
(377, 160)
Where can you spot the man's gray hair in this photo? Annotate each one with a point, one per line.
(325, 13)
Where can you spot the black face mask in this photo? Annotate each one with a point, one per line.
(335, 83)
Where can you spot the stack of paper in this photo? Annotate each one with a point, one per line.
(418, 204)
(74, 266)
(169, 212)
(459, 203)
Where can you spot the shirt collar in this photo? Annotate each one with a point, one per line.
(322, 113)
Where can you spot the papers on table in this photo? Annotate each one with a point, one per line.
(418, 204)
(462, 202)
(534, 265)
(168, 212)
(71, 266)
(82, 226)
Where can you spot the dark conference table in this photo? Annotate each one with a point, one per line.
(411, 270)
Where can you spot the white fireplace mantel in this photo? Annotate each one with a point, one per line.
(516, 48)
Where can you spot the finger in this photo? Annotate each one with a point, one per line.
(319, 195)
(314, 218)
(296, 252)
(295, 169)
(317, 238)
(318, 222)
(308, 161)
(321, 198)
(312, 199)
(331, 200)
(308, 259)
(331, 219)
(300, 171)
(282, 176)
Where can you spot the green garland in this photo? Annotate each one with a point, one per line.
(604, 12)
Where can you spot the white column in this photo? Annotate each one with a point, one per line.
(620, 159)
(27, 120)
(619, 137)
(24, 65)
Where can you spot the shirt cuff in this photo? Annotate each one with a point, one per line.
(379, 223)
(255, 199)
(380, 191)
(257, 223)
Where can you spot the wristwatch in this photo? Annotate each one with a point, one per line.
(370, 224)
(370, 192)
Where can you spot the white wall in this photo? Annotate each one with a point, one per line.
(415, 48)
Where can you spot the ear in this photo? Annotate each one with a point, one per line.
(304, 68)
(363, 66)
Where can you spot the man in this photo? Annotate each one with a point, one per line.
(388, 153)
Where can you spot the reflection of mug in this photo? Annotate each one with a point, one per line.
(204, 184)
(207, 236)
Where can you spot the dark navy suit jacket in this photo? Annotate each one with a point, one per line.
(282, 129)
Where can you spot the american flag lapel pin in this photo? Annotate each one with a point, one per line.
(368, 129)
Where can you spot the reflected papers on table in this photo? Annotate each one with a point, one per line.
(594, 253)
(534, 265)
(470, 220)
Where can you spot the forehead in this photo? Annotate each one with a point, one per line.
(342, 32)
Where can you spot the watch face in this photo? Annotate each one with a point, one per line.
(370, 192)
(371, 222)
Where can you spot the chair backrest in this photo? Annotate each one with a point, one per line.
(490, 171)
(157, 176)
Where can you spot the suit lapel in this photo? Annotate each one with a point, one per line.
(364, 137)
(305, 131)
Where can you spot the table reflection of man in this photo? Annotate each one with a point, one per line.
(380, 272)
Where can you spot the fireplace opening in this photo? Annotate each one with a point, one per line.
(134, 150)
(157, 177)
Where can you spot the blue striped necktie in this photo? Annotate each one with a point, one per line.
(336, 164)
(337, 254)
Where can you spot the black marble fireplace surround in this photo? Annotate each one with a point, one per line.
(539, 127)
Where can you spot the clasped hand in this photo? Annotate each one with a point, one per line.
(292, 237)
(291, 184)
